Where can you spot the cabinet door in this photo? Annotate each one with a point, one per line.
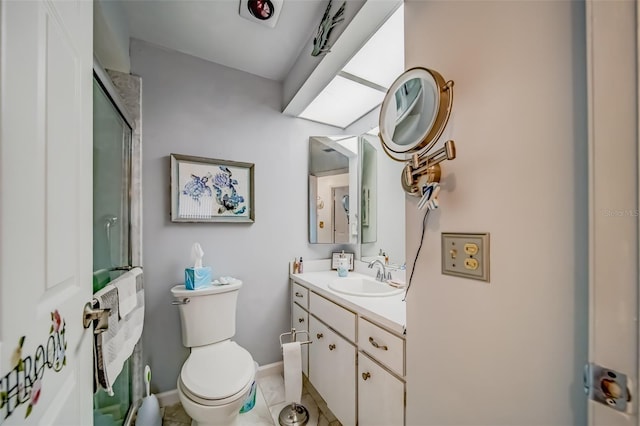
(332, 370)
(380, 395)
(300, 321)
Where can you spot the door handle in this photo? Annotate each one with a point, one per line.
(89, 315)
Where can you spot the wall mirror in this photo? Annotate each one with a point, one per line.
(375, 207)
(413, 116)
(385, 207)
(333, 189)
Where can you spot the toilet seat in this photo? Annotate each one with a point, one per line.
(217, 374)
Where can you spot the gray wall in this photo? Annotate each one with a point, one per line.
(509, 352)
(194, 107)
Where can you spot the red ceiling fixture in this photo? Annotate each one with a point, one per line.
(265, 12)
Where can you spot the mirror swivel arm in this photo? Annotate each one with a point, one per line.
(419, 165)
(422, 170)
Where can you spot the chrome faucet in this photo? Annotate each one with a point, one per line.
(382, 274)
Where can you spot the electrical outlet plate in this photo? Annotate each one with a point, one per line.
(466, 255)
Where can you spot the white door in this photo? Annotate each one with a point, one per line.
(613, 208)
(45, 211)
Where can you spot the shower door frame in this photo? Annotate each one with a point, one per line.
(135, 220)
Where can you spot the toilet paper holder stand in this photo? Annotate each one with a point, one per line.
(294, 414)
(294, 334)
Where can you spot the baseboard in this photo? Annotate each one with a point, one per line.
(270, 369)
(168, 398)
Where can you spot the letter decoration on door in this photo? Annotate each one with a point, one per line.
(23, 383)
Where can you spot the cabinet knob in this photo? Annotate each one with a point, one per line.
(300, 319)
(366, 375)
(319, 335)
(376, 345)
(332, 347)
(298, 294)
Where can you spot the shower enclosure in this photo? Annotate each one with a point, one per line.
(112, 133)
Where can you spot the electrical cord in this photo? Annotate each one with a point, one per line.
(415, 260)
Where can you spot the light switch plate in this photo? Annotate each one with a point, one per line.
(466, 255)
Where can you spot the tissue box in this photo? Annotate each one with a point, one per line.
(197, 277)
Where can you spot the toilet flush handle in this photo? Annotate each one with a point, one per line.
(181, 302)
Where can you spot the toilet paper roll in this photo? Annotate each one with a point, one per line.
(292, 357)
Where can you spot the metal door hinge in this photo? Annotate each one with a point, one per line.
(608, 387)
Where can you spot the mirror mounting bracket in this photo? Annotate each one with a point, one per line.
(424, 169)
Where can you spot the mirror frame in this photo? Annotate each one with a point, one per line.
(428, 137)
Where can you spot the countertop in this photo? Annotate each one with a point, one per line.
(389, 311)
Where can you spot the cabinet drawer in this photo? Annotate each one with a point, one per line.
(338, 318)
(300, 321)
(381, 345)
(380, 395)
(300, 295)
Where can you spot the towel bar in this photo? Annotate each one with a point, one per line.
(124, 268)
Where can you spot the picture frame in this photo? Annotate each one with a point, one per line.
(336, 255)
(211, 190)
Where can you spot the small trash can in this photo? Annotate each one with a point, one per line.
(250, 400)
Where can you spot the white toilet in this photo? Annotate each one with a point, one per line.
(218, 374)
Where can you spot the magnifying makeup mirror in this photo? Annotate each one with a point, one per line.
(413, 115)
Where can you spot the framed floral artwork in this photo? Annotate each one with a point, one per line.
(211, 190)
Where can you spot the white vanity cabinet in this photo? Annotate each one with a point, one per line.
(380, 395)
(300, 321)
(332, 370)
(381, 392)
(356, 360)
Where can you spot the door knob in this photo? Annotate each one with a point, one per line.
(366, 375)
(319, 335)
(332, 347)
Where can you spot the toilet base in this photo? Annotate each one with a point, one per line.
(221, 415)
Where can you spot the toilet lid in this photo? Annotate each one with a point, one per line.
(217, 371)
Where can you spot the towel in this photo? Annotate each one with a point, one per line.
(116, 344)
(126, 285)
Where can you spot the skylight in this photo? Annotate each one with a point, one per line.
(342, 102)
(361, 85)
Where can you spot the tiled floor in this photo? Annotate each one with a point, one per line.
(270, 400)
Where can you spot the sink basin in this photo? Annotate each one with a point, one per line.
(360, 286)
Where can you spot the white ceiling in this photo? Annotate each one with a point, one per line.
(214, 30)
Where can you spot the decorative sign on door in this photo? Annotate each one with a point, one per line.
(23, 384)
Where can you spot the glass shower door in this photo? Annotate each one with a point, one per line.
(111, 230)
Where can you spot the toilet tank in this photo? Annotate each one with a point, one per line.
(207, 315)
